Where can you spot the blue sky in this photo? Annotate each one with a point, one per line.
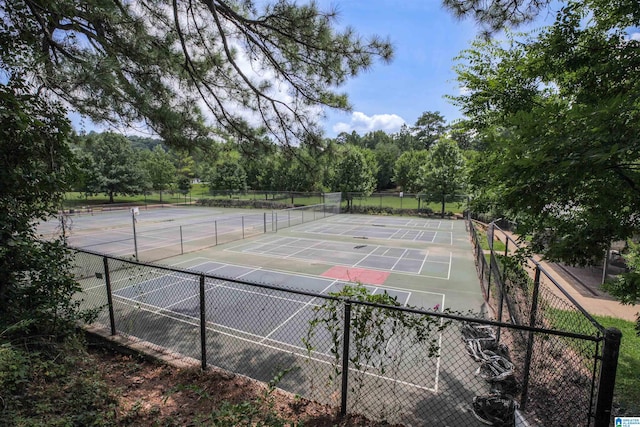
(426, 38)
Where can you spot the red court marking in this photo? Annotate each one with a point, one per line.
(361, 275)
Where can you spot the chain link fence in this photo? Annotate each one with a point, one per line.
(398, 364)
(563, 370)
(151, 243)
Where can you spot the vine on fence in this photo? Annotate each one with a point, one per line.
(383, 341)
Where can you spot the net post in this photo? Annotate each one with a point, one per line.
(264, 220)
(242, 218)
(345, 359)
(107, 279)
(608, 368)
(215, 227)
(203, 327)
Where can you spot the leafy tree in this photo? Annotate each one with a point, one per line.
(407, 170)
(386, 156)
(354, 172)
(580, 170)
(371, 139)
(352, 138)
(405, 140)
(160, 171)
(115, 167)
(37, 287)
(142, 143)
(560, 116)
(184, 185)
(228, 174)
(429, 127)
(443, 174)
(174, 65)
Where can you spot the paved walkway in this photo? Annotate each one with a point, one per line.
(598, 305)
(594, 305)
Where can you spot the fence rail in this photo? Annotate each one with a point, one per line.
(522, 292)
(403, 365)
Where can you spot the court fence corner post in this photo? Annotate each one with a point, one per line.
(610, 353)
(203, 327)
(107, 280)
(345, 359)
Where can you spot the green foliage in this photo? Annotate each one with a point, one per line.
(560, 130)
(626, 392)
(113, 168)
(355, 171)
(36, 283)
(386, 156)
(443, 175)
(159, 168)
(626, 286)
(495, 15)
(160, 62)
(54, 386)
(227, 174)
(382, 339)
(429, 127)
(260, 412)
(407, 170)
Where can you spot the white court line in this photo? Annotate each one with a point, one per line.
(423, 261)
(450, 262)
(302, 250)
(401, 256)
(310, 302)
(367, 256)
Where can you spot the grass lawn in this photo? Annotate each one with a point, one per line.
(627, 391)
(395, 202)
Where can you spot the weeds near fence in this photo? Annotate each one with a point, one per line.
(381, 342)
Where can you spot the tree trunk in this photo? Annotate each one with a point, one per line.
(443, 200)
(110, 196)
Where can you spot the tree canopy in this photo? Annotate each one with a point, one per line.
(559, 113)
(183, 68)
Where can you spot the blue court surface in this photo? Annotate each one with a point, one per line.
(278, 314)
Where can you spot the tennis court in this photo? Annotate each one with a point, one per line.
(251, 329)
(373, 256)
(175, 295)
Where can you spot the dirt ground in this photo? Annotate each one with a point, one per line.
(152, 393)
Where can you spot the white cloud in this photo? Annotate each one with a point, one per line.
(362, 123)
(635, 36)
(464, 90)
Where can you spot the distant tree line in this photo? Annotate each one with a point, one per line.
(425, 158)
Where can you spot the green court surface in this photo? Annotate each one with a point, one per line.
(437, 260)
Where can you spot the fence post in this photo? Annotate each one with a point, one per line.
(532, 323)
(181, 244)
(203, 327)
(610, 353)
(107, 279)
(345, 359)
